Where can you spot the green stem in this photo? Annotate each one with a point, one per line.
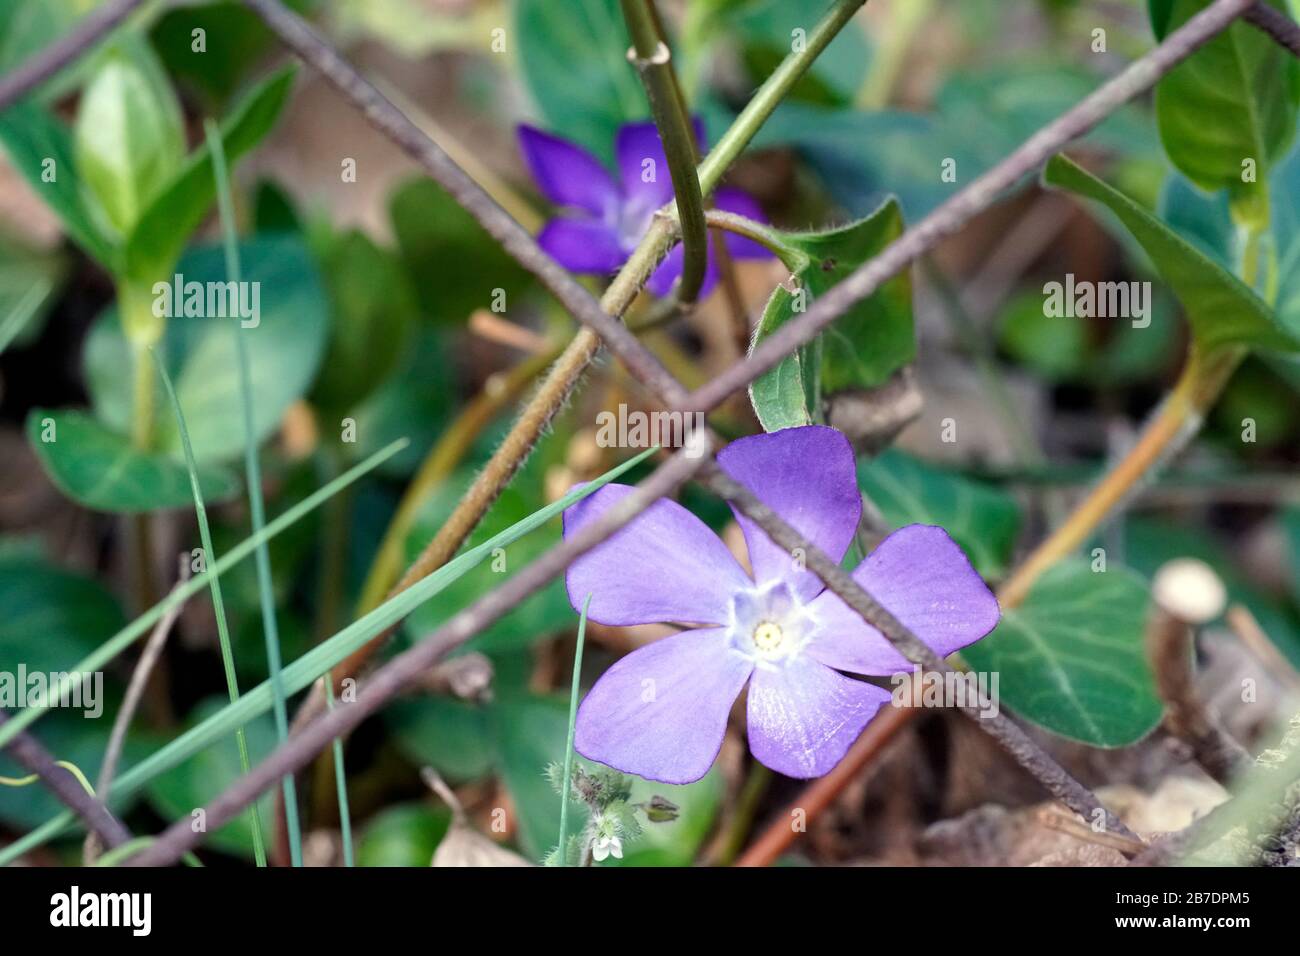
(759, 232)
(567, 779)
(771, 93)
(653, 61)
(218, 602)
(253, 476)
(756, 784)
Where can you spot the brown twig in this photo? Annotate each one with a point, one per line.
(29, 752)
(1246, 627)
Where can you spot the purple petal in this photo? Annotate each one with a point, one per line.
(642, 166)
(803, 716)
(741, 203)
(661, 711)
(636, 144)
(924, 579)
(807, 476)
(582, 245)
(666, 565)
(567, 174)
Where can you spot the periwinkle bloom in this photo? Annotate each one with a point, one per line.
(606, 218)
(661, 711)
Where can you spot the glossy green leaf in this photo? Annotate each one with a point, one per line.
(285, 350)
(129, 134)
(1234, 99)
(99, 469)
(1072, 657)
(574, 60)
(980, 518)
(40, 148)
(404, 835)
(862, 348)
(1220, 308)
(454, 265)
(185, 197)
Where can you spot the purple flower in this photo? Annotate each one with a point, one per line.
(661, 711)
(607, 219)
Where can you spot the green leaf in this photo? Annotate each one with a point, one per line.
(176, 793)
(1233, 99)
(1221, 309)
(447, 734)
(49, 616)
(530, 732)
(862, 348)
(454, 265)
(373, 316)
(29, 279)
(130, 137)
(40, 149)
(180, 206)
(1072, 657)
(404, 835)
(980, 518)
(234, 38)
(574, 61)
(765, 30)
(285, 350)
(99, 469)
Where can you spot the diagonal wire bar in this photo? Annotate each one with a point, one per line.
(402, 670)
(39, 67)
(29, 752)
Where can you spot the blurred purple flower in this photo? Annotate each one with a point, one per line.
(609, 218)
(662, 710)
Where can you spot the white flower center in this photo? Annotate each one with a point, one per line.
(768, 625)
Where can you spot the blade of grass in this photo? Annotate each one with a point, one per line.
(568, 744)
(124, 638)
(13, 323)
(340, 783)
(256, 505)
(218, 604)
(319, 659)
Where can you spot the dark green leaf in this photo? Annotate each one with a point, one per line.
(404, 835)
(574, 60)
(862, 348)
(454, 265)
(373, 314)
(1072, 657)
(1234, 99)
(982, 519)
(1221, 309)
(99, 469)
